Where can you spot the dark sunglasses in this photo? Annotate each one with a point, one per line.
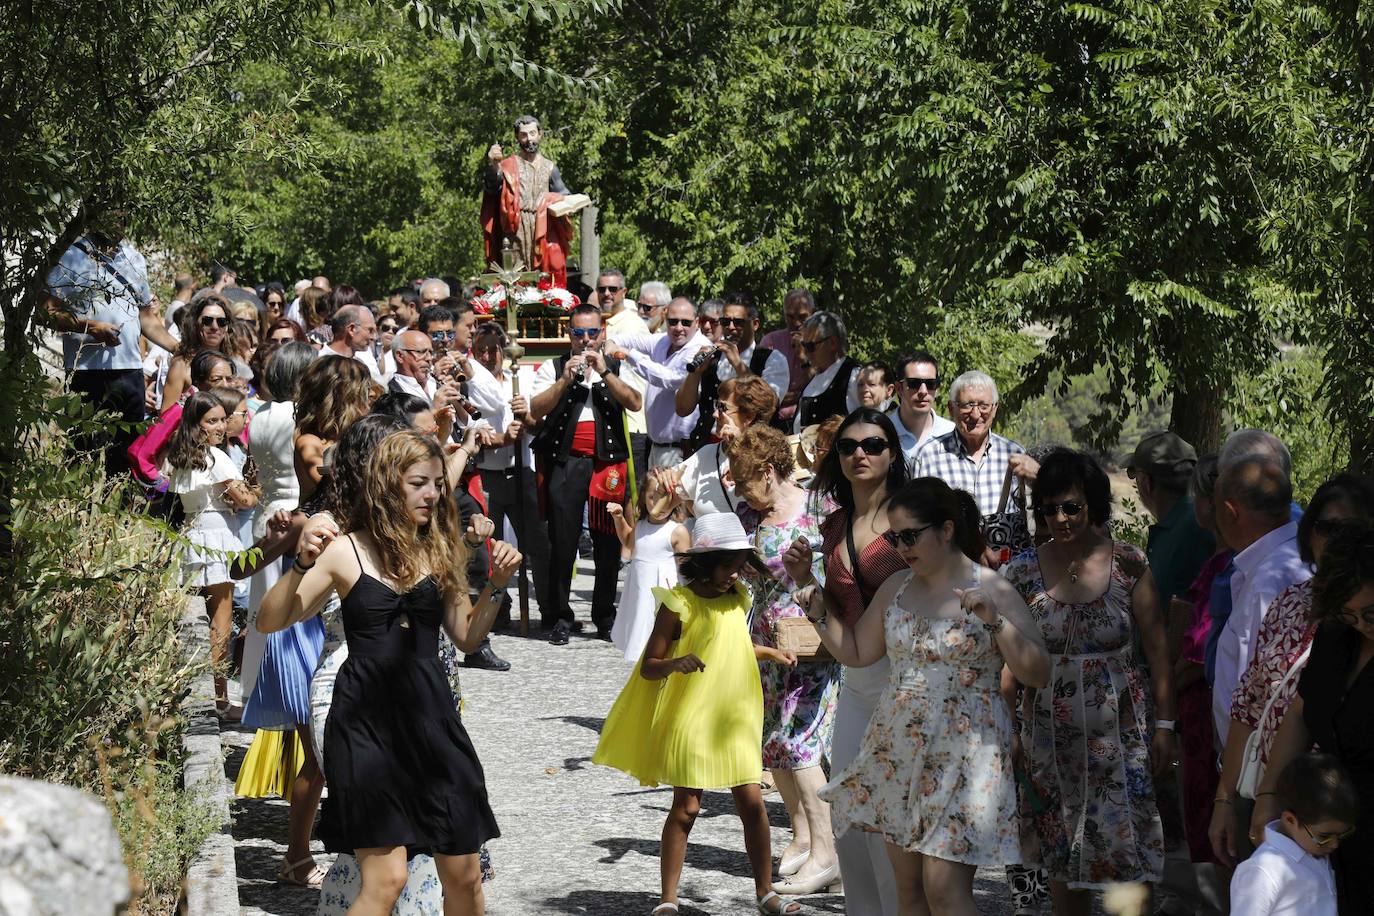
(1327, 839)
(593, 333)
(609, 289)
(1351, 618)
(388, 327)
(873, 445)
(734, 322)
(907, 536)
(207, 321)
(645, 308)
(810, 345)
(1070, 509)
(914, 384)
(680, 322)
(1330, 527)
(441, 335)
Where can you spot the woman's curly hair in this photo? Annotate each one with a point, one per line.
(333, 393)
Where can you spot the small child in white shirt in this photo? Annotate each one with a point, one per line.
(1290, 874)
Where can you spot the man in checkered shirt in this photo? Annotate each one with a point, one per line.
(973, 457)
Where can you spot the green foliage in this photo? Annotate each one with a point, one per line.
(161, 827)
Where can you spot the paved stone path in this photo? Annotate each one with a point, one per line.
(577, 838)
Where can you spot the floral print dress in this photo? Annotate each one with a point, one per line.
(1088, 739)
(798, 702)
(934, 772)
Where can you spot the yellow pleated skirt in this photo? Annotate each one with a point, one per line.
(270, 766)
(701, 730)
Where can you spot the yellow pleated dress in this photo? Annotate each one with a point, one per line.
(695, 731)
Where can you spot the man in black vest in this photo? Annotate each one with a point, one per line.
(734, 357)
(834, 386)
(582, 451)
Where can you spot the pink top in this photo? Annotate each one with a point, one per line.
(1200, 594)
(877, 562)
(781, 340)
(144, 458)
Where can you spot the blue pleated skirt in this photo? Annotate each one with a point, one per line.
(281, 696)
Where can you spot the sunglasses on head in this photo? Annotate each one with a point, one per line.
(1069, 508)
(593, 333)
(873, 445)
(207, 321)
(680, 322)
(914, 384)
(907, 536)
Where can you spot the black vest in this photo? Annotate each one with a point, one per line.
(710, 389)
(555, 436)
(833, 401)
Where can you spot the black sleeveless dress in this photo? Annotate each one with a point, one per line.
(399, 765)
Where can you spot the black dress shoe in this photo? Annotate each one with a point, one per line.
(559, 637)
(574, 625)
(603, 633)
(487, 659)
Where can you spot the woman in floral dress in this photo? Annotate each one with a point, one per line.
(1091, 742)
(798, 699)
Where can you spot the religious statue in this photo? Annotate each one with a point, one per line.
(525, 206)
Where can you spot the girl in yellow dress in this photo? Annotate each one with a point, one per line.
(691, 715)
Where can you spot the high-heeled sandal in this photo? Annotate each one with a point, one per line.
(287, 874)
(784, 907)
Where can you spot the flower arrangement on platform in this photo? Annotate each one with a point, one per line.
(543, 292)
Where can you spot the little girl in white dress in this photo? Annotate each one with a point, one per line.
(649, 545)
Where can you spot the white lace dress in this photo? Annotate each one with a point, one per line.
(211, 527)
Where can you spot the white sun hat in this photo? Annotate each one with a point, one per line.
(718, 531)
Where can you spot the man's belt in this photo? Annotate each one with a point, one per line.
(678, 444)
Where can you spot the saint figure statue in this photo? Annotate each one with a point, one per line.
(518, 206)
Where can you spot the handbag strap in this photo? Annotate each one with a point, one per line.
(1293, 670)
(107, 262)
(854, 561)
(1006, 490)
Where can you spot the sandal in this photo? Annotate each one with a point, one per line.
(784, 907)
(663, 908)
(314, 880)
(229, 712)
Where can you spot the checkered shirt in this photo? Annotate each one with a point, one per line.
(946, 457)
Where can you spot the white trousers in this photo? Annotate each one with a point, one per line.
(870, 889)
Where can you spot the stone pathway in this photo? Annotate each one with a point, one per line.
(577, 838)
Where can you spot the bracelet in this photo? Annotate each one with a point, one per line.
(1166, 724)
(996, 627)
(1262, 794)
(301, 568)
(1222, 801)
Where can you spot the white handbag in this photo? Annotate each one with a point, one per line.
(1251, 769)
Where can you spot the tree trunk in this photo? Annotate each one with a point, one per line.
(1196, 415)
(1362, 448)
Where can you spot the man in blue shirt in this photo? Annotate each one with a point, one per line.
(99, 298)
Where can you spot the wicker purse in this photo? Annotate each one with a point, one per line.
(798, 636)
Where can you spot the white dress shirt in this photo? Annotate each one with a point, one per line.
(411, 386)
(547, 376)
(821, 381)
(622, 324)
(648, 355)
(1282, 879)
(1263, 569)
(499, 459)
(775, 371)
(938, 426)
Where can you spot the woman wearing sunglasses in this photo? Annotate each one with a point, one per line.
(1089, 739)
(933, 777)
(204, 326)
(851, 489)
(1334, 708)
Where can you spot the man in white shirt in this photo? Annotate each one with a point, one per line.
(620, 318)
(510, 497)
(354, 330)
(834, 388)
(918, 384)
(735, 356)
(1253, 513)
(482, 396)
(414, 354)
(662, 360)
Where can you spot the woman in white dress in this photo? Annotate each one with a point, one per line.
(650, 546)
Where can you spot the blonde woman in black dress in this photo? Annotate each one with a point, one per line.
(402, 774)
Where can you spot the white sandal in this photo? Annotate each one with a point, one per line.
(663, 908)
(783, 905)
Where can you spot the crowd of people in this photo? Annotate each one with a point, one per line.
(932, 643)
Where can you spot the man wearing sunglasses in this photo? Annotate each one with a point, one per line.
(918, 384)
(662, 360)
(98, 297)
(582, 454)
(654, 297)
(621, 318)
(834, 385)
(734, 357)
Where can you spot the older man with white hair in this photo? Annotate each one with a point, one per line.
(973, 457)
(433, 291)
(654, 297)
